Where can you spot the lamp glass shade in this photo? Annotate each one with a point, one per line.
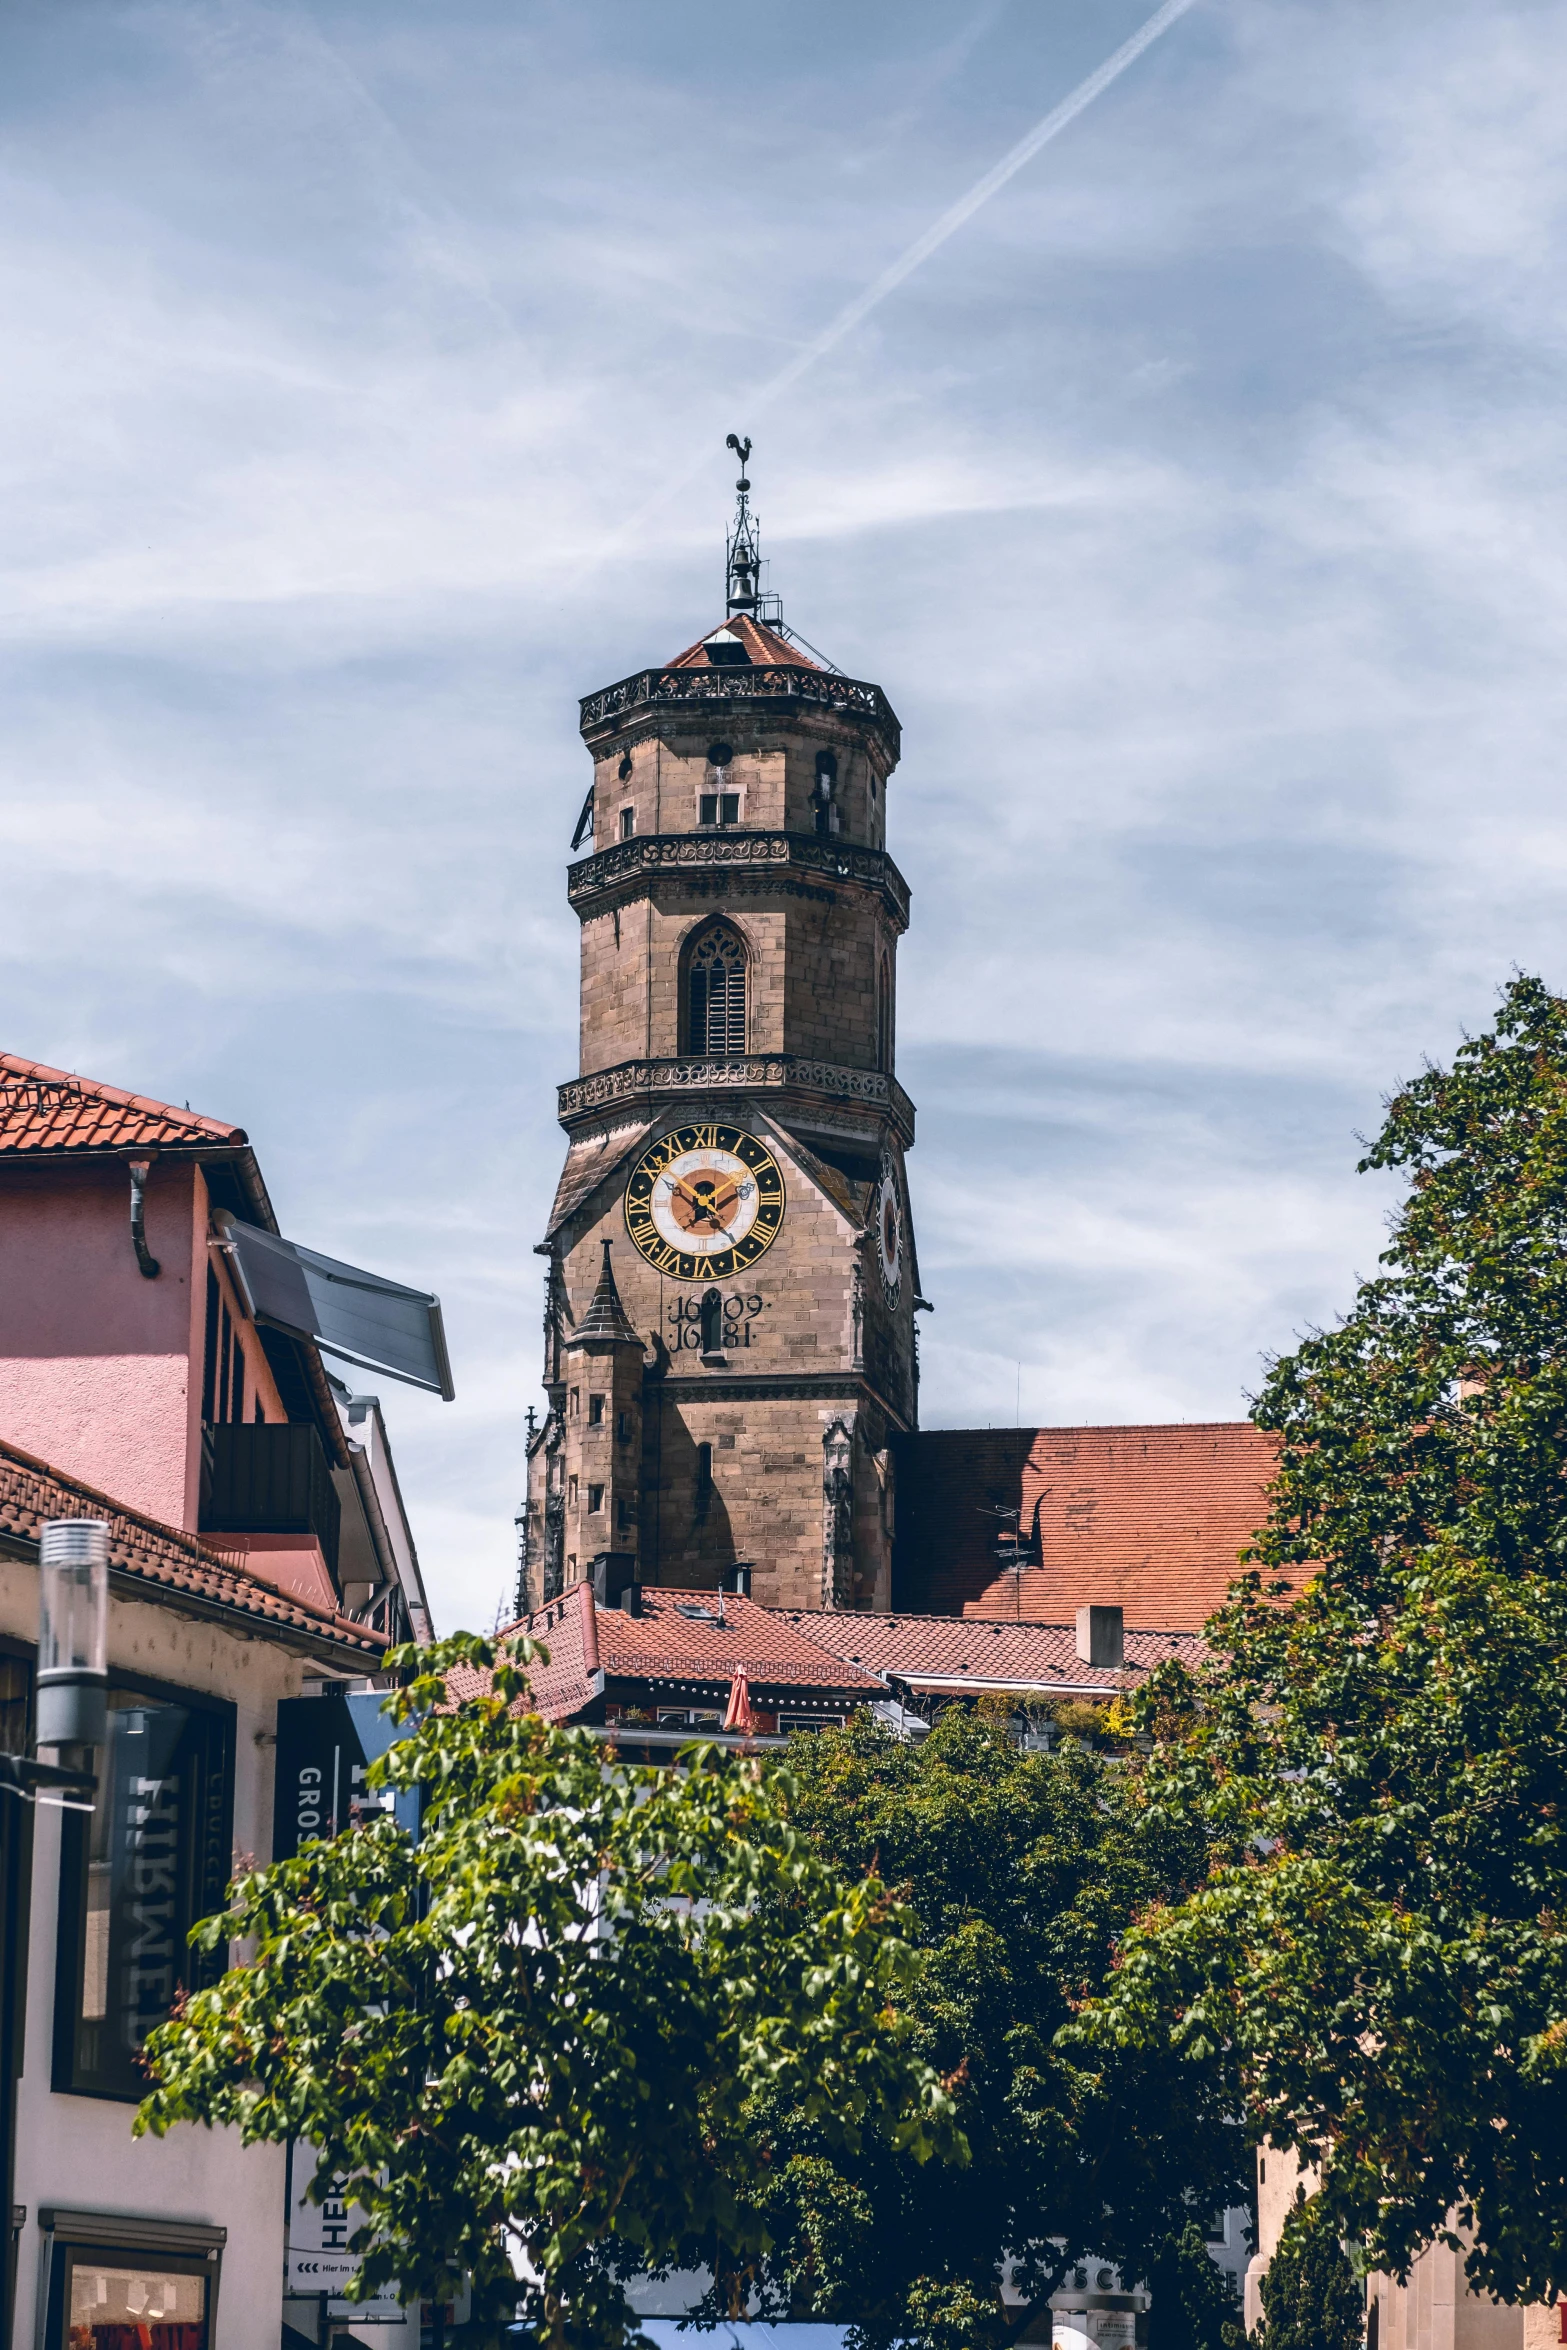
(73, 1602)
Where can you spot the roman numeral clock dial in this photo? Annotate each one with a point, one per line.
(705, 1202)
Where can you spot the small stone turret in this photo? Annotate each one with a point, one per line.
(601, 1366)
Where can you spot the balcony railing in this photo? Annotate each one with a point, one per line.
(692, 688)
(269, 1477)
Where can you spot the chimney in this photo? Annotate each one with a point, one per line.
(611, 1573)
(738, 1579)
(1100, 1638)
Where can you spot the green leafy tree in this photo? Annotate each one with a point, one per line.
(1378, 1954)
(1192, 2302)
(549, 2025)
(1311, 2296)
(1021, 1871)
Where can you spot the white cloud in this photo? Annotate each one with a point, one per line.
(1198, 507)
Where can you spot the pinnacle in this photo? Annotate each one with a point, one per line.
(606, 1317)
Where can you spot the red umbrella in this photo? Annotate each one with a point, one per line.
(740, 1717)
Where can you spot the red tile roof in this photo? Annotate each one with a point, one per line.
(1146, 1519)
(44, 1109)
(168, 1564)
(969, 1651)
(764, 645)
(677, 1641)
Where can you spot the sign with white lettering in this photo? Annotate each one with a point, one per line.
(317, 2258)
(156, 1858)
(325, 1745)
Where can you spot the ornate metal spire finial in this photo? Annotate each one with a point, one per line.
(743, 560)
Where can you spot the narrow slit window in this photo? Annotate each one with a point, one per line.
(595, 1499)
(628, 823)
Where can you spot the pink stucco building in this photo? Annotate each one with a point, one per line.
(164, 1368)
(134, 1353)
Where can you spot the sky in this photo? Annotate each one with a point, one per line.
(1199, 505)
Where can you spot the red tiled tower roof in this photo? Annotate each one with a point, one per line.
(44, 1109)
(764, 645)
(1148, 1519)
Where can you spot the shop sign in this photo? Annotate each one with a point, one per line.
(316, 2255)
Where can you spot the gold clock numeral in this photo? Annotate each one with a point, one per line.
(642, 1200)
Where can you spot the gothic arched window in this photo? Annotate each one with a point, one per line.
(715, 994)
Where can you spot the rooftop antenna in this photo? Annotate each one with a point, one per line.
(742, 548)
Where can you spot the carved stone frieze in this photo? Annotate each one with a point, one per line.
(581, 1097)
(749, 859)
(701, 688)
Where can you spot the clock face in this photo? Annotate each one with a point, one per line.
(704, 1202)
(889, 1230)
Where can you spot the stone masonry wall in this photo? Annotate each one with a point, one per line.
(815, 958)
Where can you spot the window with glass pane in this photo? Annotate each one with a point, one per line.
(152, 1858)
(118, 2302)
(16, 1704)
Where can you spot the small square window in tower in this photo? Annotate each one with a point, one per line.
(715, 994)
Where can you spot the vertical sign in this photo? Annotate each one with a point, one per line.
(324, 1747)
(316, 2252)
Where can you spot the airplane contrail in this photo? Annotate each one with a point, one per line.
(956, 215)
(1048, 127)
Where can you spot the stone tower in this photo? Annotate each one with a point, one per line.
(731, 1286)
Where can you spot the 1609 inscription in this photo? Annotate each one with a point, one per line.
(701, 1325)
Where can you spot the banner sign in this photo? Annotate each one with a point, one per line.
(316, 2254)
(324, 1747)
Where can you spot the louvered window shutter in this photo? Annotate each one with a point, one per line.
(717, 996)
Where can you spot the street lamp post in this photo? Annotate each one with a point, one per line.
(73, 1631)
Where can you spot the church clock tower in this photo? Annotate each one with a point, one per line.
(731, 1286)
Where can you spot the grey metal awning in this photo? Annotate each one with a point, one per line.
(359, 1316)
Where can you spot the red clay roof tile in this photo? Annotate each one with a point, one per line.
(764, 645)
(922, 1649)
(678, 1639)
(44, 1109)
(1148, 1519)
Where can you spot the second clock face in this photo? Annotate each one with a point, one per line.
(889, 1231)
(704, 1202)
